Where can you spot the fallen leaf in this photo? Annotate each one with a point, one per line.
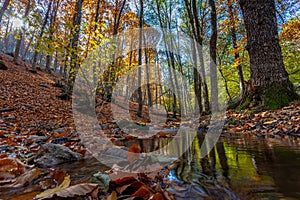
(24, 179)
(270, 122)
(113, 196)
(65, 184)
(157, 196)
(143, 192)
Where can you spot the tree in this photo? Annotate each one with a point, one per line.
(198, 33)
(21, 33)
(74, 46)
(3, 9)
(44, 24)
(235, 47)
(213, 57)
(269, 81)
(140, 97)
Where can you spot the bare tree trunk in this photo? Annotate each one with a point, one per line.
(28, 46)
(150, 103)
(21, 35)
(197, 82)
(5, 41)
(140, 94)
(197, 35)
(56, 62)
(45, 21)
(213, 58)
(51, 31)
(270, 85)
(74, 46)
(3, 9)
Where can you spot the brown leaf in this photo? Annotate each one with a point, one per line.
(143, 192)
(157, 196)
(24, 179)
(122, 178)
(113, 196)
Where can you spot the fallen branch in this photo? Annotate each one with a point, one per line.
(6, 109)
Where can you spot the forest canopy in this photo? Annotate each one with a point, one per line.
(59, 35)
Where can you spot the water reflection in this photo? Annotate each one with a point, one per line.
(253, 168)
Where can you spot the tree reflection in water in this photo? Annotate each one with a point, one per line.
(251, 167)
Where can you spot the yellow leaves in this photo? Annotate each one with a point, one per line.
(64, 190)
(291, 31)
(237, 63)
(65, 184)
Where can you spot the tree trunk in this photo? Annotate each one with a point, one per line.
(3, 9)
(74, 46)
(21, 34)
(213, 58)
(197, 79)
(198, 36)
(45, 21)
(235, 47)
(269, 81)
(51, 31)
(140, 95)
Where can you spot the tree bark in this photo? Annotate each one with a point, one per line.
(3, 9)
(51, 31)
(197, 34)
(21, 34)
(213, 58)
(74, 46)
(140, 94)
(45, 21)
(269, 81)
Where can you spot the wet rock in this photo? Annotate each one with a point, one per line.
(54, 154)
(102, 180)
(115, 131)
(38, 139)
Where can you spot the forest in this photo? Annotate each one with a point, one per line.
(149, 99)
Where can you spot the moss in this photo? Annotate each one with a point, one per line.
(245, 104)
(277, 97)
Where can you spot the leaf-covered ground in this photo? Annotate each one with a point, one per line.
(32, 115)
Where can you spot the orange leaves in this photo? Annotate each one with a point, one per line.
(279, 122)
(13, 173)
(9, 168)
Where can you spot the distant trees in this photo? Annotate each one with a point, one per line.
(60, 34)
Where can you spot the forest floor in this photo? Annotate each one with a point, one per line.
(32, 115)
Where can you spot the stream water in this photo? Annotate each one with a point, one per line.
(253, 168)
